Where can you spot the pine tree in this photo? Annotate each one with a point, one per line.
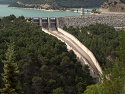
(113, 81)
(11, 73)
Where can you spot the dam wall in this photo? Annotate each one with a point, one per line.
(113, 20)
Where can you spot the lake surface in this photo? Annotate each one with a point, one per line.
(6, 11)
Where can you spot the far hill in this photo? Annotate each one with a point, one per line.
(7, 1)
(60, 3)
(114, 5)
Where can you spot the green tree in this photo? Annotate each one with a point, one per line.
(58, 91)
(94, 89)
(121, 49)
(11, 73)
(43, 61)
(113, 81)
(37, 85)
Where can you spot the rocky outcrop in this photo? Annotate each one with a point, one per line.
(113, 6)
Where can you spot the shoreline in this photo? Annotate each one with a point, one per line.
(52, 10)
(105, 11)
(49, 10)
(112, 13)
(102, 11)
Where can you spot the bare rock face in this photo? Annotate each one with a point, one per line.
(114, 6)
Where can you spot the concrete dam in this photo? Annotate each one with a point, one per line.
(54, 25)
(114, 20)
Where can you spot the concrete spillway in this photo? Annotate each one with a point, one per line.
(95, 69)
(84, 54)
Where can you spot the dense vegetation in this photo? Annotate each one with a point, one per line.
(122, 1)
(102, 40)
(113, 81)
(10, 67)
(69, 3)
(108, 45)
(7, 1)
(42, 64)
(114, 74)
(45, 66)
(65, 3)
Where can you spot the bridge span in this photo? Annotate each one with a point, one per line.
(85, 56)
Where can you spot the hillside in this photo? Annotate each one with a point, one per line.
(46, 67)
(100, 39)
(44, 63)
(7, 1)
(114, 5)
(60, 3)
(108, 46)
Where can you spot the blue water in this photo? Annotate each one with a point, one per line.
(6, 11)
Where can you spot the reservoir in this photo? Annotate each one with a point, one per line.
(6, 11)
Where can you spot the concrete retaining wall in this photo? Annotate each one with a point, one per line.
(68, 47)
(81, 59)
(87, 51)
